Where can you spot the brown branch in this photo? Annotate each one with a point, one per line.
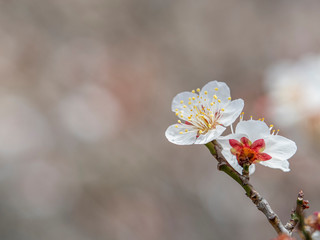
(297, 213)
(297, 217)
(255, 197)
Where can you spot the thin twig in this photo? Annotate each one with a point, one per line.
(255, 197)
(301, 205)
(297, 212)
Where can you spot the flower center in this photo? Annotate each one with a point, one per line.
(205, 119)
(247, 152)
(202, 111)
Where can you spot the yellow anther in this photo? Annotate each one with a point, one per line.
(205, 92)
(250, 117)
(184, 106)
(189, 98)
(189, 103)
(219, 100)
(205, 100)
(176, 126)
(242, 113)
(273, 131)
(181, 116)
(200, 131)
(259, 119)
(198, 96)
(208, 109)
(278, 130)
(179, 121)
(222, 109)
(181, 132)
(186, 130)
(215, 97)
(211, 103)
(191, 110)
(193, 91)
(229, 98)
(181, 101)
(216, 89)
(271, 125)
(193, 98)
(211, 115)
(262, 119)
(177, 109)
(177, 113)
(198, 89)
(209, 125)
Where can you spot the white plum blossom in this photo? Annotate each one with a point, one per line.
(255, 142)
(204, 114)
(293, 91)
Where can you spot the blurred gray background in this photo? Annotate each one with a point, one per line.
(85, 96)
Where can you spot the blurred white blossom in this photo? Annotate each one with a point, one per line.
(293, 91)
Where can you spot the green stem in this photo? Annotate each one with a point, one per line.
(245, 170)
(299, 213)
(211, 148)
(228, 170)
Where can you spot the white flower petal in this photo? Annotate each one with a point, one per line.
(232, 112)
(252, 169)
(232, 160)
(224, 141)
(210, 135)
(280, 147)
(222, 92)
(277, 163)
(186, 138)
(184, 96)
(254, 129)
